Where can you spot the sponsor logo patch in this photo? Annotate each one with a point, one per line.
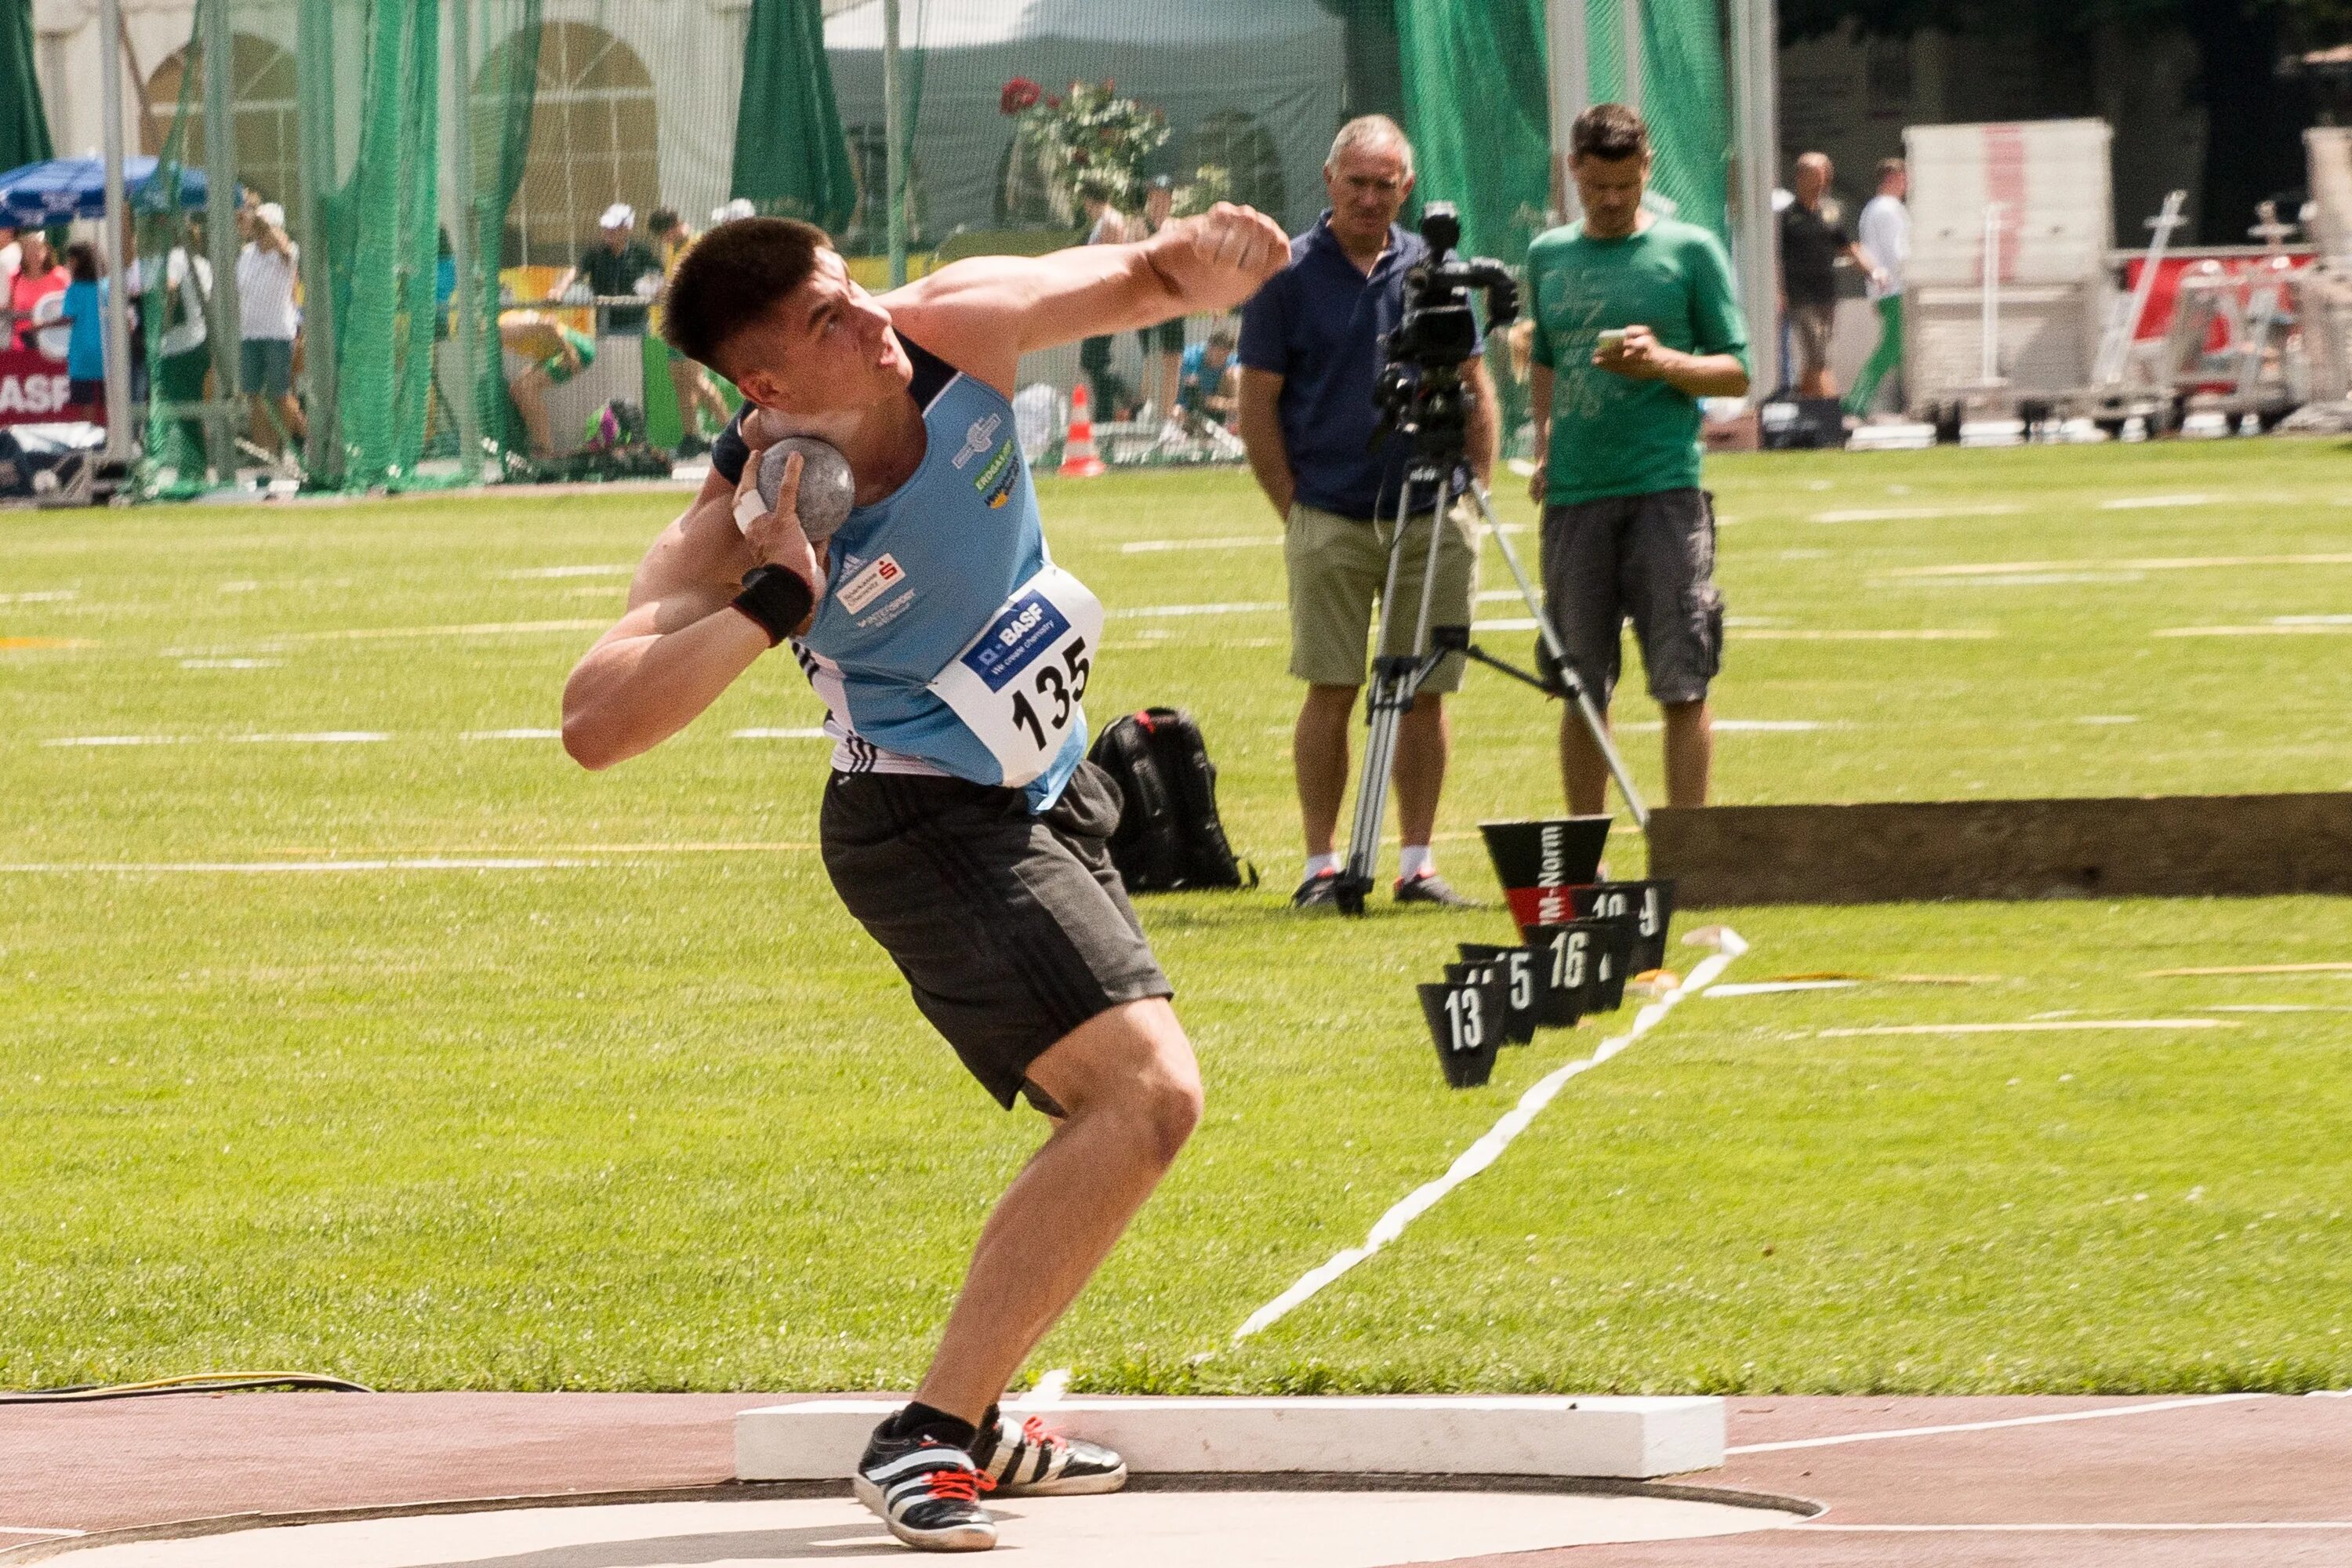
(995, 480)
(871, 583)
(976, 439)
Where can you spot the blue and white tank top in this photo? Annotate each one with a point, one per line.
(947, 642)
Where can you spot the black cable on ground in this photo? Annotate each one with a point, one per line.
(194, 1383)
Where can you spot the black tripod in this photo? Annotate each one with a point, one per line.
(1439, 471)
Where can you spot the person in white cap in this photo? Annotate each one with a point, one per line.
(612, 267)
(728, 212)
(268, 323)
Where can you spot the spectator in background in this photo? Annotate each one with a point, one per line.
(84, 309)
(1627, 532)
(1885, 236)
(688, 382)
(1310, 352)
(268, 321)
(541, 352)
(184, 349)
(39, 275)
(1207, 390)
(11, 256)
(1106, 225)
(1162, 344)
(611, 268)
(728, 210)
(1810, 244)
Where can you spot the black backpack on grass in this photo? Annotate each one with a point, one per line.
(1169, 835)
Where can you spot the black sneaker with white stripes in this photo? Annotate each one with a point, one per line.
(927, 1492)
(1024, 1460)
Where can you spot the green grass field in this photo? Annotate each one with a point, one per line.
(655, 1114)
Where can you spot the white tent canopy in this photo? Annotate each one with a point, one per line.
(1281, 62)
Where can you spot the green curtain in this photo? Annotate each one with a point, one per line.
(504, 90)
(791, 158)
(383, 227)
(1477, 107)
(24, 124)
(1689, 116)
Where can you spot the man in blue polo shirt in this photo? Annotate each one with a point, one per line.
(1310, 351)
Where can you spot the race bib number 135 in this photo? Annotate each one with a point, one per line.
(1017, 685)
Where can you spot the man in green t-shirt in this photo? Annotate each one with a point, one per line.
(1636, 321)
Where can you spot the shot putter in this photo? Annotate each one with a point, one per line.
(827, 488)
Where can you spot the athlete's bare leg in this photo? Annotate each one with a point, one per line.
(1127, 1080)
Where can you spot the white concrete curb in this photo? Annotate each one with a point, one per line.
(1627, 1438)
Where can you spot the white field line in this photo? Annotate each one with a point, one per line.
(1231, 542)
(232, 663)
(2280, 628)
(530, 573)
(1239, 608)
(2145, 503)
(2030, 1028)
(512, 735)
(1777, 987)
(321, 738)
(266, 867)
(1490, 1147)
(813, 733)
(2333, 968)
(2141, 563)
(378, 634)
(1740, 726)
(1894, 1432)
(2239, 1525)
(1799, 634)
(46, 596)
(1916, 513)
(2035, 579)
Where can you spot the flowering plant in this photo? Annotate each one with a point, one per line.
(1087, 142)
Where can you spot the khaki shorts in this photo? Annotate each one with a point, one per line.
(1338, 566)
(1811, 326)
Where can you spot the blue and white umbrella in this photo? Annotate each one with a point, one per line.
(63, 189)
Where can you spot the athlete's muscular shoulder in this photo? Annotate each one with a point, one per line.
(975, 328)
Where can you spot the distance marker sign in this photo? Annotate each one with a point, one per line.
(1539, 862)
(1522, 986)
(1648, 906)
(1465, 1023)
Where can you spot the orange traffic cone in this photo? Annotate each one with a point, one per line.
(1079, 458)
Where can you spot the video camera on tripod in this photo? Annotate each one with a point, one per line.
(1421, 395)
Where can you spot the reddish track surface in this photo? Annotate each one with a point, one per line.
(2116, 1490)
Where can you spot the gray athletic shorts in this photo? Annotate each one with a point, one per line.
(1812, 326)
(1647, 558)
(1014, 930)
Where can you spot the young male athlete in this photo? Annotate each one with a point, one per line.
(962, 824)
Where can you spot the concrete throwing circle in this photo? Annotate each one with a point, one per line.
(1135, 1530)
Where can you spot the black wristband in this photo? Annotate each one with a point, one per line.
(776, 598)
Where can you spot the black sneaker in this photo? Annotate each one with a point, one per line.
(1318, 892)
(928, 1493)
(1429, 888)
(1026, 1460)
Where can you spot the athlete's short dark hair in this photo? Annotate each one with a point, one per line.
(732, 277)
(1608, 132)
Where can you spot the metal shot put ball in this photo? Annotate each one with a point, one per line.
(827, 489)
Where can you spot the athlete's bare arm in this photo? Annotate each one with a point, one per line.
(982, 314)
(671, 654)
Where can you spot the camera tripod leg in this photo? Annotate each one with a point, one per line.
(1396, 683)
(1585, 707)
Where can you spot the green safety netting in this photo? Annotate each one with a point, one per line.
(444, 166)
(24, 124)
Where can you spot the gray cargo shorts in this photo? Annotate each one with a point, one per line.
(1650, 559)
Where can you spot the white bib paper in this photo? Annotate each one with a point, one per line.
(1017, 685)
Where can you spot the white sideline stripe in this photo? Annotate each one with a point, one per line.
(260, 868)
(2070, 1529)
(816, 733)
(2073, 1024)
(2273, 629)
(1489, 1148)
(1894, 1432)
(2141, 503)
(47, 596)
(321, 738)
(1916, 513)
(1231, 542)
(480, 630)
(1798, 634)
(232, 663)
(1239, 608)
(2149, 563)
(512, 735)
(1775, 987)
(531, 572)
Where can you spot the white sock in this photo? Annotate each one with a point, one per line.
(1415, 861)
(1323, 865)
